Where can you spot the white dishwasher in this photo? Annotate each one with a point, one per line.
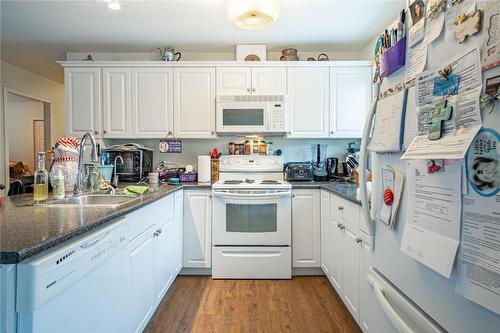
(81, 287)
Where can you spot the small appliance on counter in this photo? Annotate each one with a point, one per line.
(137, 160)
(336, 169)
(299, 171)
(319, 161)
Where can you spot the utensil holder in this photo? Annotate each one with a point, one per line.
(393, 58)
(214, 163)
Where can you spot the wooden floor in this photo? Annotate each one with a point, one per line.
(303, 304)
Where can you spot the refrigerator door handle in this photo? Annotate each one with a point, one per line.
(364, 154)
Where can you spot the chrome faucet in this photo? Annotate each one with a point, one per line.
(115, 177)
(93, 158)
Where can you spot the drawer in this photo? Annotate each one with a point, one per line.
(247, 262)
(346, 212)
(146, 216)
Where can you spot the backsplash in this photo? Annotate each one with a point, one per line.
(297, 150)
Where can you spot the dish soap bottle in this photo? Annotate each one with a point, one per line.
(58, 185)
(41, 178)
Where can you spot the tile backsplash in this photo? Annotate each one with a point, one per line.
(297, 150)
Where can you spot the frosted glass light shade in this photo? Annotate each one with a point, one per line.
(252, 14)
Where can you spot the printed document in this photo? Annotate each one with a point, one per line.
(432, 230)
(410, 129)
(478, 273)
(387, 130)
(417, 58)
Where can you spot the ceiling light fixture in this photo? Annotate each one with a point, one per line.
(252, 14)
(114, 5)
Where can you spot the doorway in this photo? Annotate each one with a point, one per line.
(27, 132)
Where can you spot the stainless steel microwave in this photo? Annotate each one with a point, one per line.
(251, 114)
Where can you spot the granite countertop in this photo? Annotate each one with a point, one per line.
(26, 230)
(346, 190)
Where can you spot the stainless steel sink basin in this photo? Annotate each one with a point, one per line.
(104, 200)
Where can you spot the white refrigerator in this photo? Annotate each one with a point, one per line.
(412, 297)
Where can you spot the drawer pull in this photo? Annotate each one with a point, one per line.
(340, 226)
(358, 240)
(340, 208)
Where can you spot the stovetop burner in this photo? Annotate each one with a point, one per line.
(232, 182)
(269, 182)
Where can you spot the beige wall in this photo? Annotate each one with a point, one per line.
(37, 87)
(207, 56)
(19, 127)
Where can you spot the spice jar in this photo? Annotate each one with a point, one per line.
(255, 147)
(231, 148)
(262, 148)
(248, 147)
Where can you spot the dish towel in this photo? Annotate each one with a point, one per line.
(135, 190)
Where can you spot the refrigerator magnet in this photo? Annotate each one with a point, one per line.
(483, 163)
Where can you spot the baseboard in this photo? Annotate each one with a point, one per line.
(304, 271)
(195, 271)
(296, 271)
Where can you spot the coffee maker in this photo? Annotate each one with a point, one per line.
(335, 168)
(319, 161)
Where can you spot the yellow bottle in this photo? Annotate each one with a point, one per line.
(41, 177)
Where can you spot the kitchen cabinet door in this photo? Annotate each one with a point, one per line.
(351, 267)
(306, 228)
(142, 279)
(308, 102)
(366, 296)
(197, 247)
(152, 102)
(350, 98)
(268, 81)
(117, 102)
(336, 255)
(234, 81)
(82, 100)
(178, 232)
(165, 256)
(194, 102)
(325, 232)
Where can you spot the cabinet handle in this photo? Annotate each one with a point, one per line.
(212, 132)
(248, 89)
(96, 132)
(340, 208)
(253, 89)
(331, 132)
(289, 132)
(105, 131)
(340, 226)
(2, 186)
(159, 231)
(358, 240)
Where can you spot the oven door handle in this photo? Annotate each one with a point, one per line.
(251, 196)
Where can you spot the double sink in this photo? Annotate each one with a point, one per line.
(95, 200)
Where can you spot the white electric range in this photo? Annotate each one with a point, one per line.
(251, 224)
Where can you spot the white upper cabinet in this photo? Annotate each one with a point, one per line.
(248, 81)
(306, 228)
(152, 102)
(83, 101)
(234, 81)
(116, 108)
(194, 102)
(350, 96)
(268, 81)
(308, 102)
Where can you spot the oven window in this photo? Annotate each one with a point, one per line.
(251, 218)
(243, 117)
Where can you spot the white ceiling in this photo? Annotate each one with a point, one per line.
(37, 33)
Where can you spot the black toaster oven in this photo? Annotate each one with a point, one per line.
(137, 161)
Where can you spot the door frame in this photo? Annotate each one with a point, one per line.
(4, 148)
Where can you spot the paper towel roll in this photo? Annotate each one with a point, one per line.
(204, 169)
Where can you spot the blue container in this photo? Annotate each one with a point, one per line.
(106, 171)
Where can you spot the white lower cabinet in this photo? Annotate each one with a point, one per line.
(197, 243)
(344, 257)
(306, 228)
(366, 296)
(178, 226)
(351, 266)
(325, 232)
(142, 279)
(152, 257)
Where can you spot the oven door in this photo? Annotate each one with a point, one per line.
(251, 217)
(242, 117)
